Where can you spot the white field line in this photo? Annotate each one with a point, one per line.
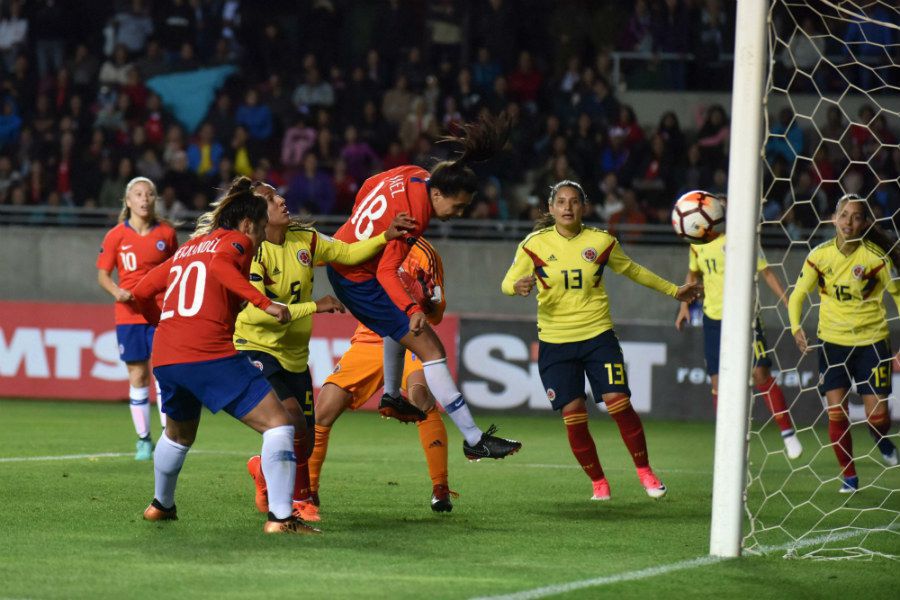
(682, 565)
(20, 459)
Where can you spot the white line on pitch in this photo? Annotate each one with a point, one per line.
(662, 471)
(18, 459)
(700, 561)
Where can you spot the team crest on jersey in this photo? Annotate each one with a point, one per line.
(304, 257)
(160, 245)
(257, 364)
(551, 394)
(337, 368)
(589, 254)
(858, 271)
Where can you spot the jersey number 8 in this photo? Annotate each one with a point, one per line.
(181, 280)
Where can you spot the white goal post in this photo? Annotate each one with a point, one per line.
(741, 222)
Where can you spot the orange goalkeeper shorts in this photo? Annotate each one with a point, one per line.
(360, 371)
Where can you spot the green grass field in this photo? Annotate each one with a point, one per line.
(72, 527)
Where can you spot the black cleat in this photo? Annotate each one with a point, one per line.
(490, 446)
(400, 409)
(440, 498)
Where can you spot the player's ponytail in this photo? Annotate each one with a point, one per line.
(874, 232)
(546, 219)
(238, 203)
(480, 141)
(125, 213)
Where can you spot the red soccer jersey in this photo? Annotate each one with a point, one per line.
(205, 284)
(133, 255)
(379, 200)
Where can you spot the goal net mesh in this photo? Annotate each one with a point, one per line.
(832, 127)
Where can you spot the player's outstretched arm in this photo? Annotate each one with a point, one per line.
(806, 282)
(519, 279)
(389, 277)
(774, 284)
(104, 278)
(623, 265)
(225, 267)
(148, 288)
(684, 313)
(330, 250)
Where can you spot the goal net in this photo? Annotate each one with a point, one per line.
(832, 128)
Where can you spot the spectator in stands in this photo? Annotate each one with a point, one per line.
(670, 131)
(638, 33)
(240, 153)
(397, 102)
(627, 128)
(326, 150)
(631, 215)
(525, 83)
(671, 35)
(10, 123)
(49, 25)
(785, 137)
(298, 139)
(205, 152)
(114, 70)
(357, 156)
(133, 27)
(345, 188)
(610, 198)
(186, 59)
(176, 24)
(313, 93)
(256, 118)
(713, 134)
(311, 191)
(711, 39)
(653, 177)
(179, 177)
(169, 207)
(83, 68)
(154, 61)
(418, 122)
(13, 33)
(149, 166)
(112, 190)
(485, 70)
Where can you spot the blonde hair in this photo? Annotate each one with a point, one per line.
(239, 202)
(125, 214)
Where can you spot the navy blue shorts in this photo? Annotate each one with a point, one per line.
(370, 304)
(869, 366)
(135, 342)
(712, 333)
(563, 367)
(231, 384)
(287, 384)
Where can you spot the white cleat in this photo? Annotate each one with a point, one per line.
(891, 460)
(793, 447)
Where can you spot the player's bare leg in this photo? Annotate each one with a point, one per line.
(270, 418)
(424, 342)
(174, 444)
(139, 403)
(841, 438)
(879, 420)
(771, 392)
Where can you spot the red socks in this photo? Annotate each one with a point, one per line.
(879, 424)
(774, 398)
(630, 428)
(841, 440)
(582, 443)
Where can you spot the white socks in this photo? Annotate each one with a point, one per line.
(394, 354)
(167, 461)
(279, 466)
(140, 410)
(162, 415)
(444, 389)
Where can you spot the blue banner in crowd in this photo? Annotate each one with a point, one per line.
(188, 95)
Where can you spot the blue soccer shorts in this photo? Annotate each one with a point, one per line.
(563, 367)
(231, 384)
(135, 342)
(371, 305)
(869, 366)
(712, 333)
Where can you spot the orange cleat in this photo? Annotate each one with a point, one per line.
(306, 510)
(652, 485)
(254, 467)
(290, 525)
(158, 512)
(601, 490)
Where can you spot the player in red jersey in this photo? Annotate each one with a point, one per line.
(206, 283)
(375, 295)
(137, 244)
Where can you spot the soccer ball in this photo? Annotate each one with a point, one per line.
(699, 217)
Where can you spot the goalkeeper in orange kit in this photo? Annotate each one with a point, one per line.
(359, 374)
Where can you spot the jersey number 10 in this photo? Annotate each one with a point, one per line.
(181, 280)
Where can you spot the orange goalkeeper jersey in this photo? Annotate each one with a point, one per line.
(422, 255)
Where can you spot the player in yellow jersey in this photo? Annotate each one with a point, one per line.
(360, 373)
(852, 271)
(566, 260)
(283, 270)
(707, 263)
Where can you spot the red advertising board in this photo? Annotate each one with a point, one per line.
(54, 350)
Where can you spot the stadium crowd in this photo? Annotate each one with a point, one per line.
(327, 92)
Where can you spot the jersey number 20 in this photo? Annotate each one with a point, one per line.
(182, 275)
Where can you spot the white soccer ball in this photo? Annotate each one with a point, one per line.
(699, 217)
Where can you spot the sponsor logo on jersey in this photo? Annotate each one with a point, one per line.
(551, 394)
(304, 257)
(257, 364)
(127, 246)
(858, 271)
(160, 245)
(238, 247)
(276, 271)
(551, 258)
(589, 254)
(336, 369)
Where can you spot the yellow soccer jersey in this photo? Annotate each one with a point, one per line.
(284, 273)
(572, 300)
(709, 260)
(851, 289)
